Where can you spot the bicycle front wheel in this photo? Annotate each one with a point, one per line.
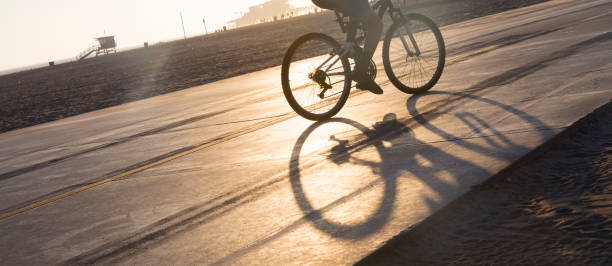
(316, 80)
(414, 69)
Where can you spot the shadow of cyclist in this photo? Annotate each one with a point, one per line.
(403, 161)
(395, 159)
(404, 156)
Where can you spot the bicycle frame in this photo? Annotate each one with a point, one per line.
(350, 27)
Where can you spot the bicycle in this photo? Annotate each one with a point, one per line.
(317, 88)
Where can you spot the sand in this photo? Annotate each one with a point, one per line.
(42, 95)
(553, 209)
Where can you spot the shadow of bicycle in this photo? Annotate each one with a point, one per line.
(347, 178)
(355, 196)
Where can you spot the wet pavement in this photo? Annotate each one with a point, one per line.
(226, 173)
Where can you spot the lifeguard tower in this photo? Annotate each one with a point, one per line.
(106, 45)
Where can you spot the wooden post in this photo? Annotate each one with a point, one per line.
(183, 24)
(204, 21)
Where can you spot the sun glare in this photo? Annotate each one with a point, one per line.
(66, 27)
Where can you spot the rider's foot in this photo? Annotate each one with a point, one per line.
(364, 82)
(361, 76)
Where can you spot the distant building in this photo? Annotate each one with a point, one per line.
(268, 11)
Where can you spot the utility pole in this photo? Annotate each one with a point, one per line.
(204, 21)
(183, 24)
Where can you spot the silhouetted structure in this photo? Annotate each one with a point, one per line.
(106, 44)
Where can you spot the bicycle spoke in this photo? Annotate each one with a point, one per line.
(336, 74)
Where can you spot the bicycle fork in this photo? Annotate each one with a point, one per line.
(408, 28)
(398, 17)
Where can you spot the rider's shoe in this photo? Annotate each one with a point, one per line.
(360, 75)
(364, 82)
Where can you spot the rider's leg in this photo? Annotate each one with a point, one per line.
(361, 11)
(373, 26)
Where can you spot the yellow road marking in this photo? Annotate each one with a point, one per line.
(479, 51)
(195, 149)
(145, 167)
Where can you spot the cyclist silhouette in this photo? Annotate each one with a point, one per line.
(361, 11)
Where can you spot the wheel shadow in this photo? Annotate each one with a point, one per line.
(402, 155)
(340, 154)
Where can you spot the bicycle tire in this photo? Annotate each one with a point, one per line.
(316, 111)
(429, 28)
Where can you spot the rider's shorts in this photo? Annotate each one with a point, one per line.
(352, 8)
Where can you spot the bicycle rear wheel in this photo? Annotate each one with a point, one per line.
(316, 81)
(409, 71)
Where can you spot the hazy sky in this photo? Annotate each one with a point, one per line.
(38, 31)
